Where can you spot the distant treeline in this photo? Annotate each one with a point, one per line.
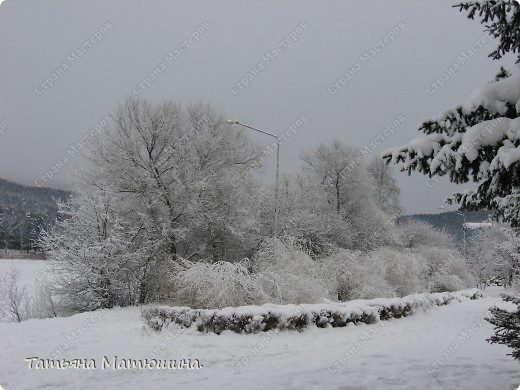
(24, 212)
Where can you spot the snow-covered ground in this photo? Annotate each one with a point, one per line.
(443, 348)
(29, 269)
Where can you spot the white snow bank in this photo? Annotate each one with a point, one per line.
(391, 355)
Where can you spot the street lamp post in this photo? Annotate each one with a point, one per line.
(464, 230)
(236, 122)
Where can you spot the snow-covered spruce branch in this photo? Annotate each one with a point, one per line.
(478, 141)
(507, 325)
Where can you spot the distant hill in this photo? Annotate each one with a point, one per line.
(451, 222)
(30, 197)
(25, 211)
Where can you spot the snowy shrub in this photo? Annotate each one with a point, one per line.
(415, 234)
(19, 303)
(336, 270)
(281, 272)
(356, 275)
(436, 258)
(496, 254)
(42, 304)
(442, 282)
(460, 269)
(403, 270)
(445, 261)
(283, 253)
(284, 287)
(254, 319)
(287, 273)
(13, 297)
(320, 231)
(219, 284)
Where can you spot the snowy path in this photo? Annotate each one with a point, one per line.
(394, 355)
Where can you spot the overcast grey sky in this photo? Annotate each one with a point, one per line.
(122, 42)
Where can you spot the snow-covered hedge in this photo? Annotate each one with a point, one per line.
(254, 319)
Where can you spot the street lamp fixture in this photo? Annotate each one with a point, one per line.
(236, 122)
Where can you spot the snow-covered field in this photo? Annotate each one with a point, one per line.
(29, 269)
(443, 348)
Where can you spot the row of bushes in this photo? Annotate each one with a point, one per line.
(254, 319)
(283, 271)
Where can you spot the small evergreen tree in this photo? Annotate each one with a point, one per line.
(479, 141)
(507, 326)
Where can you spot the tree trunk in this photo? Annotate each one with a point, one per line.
(142, 292)
(337, 195)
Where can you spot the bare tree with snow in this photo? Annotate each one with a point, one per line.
(349, 190)
(160, 186)
(386, 190)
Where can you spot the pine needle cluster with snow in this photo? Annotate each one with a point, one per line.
(478, 141)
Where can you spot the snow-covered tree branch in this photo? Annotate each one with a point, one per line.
(480, 140)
